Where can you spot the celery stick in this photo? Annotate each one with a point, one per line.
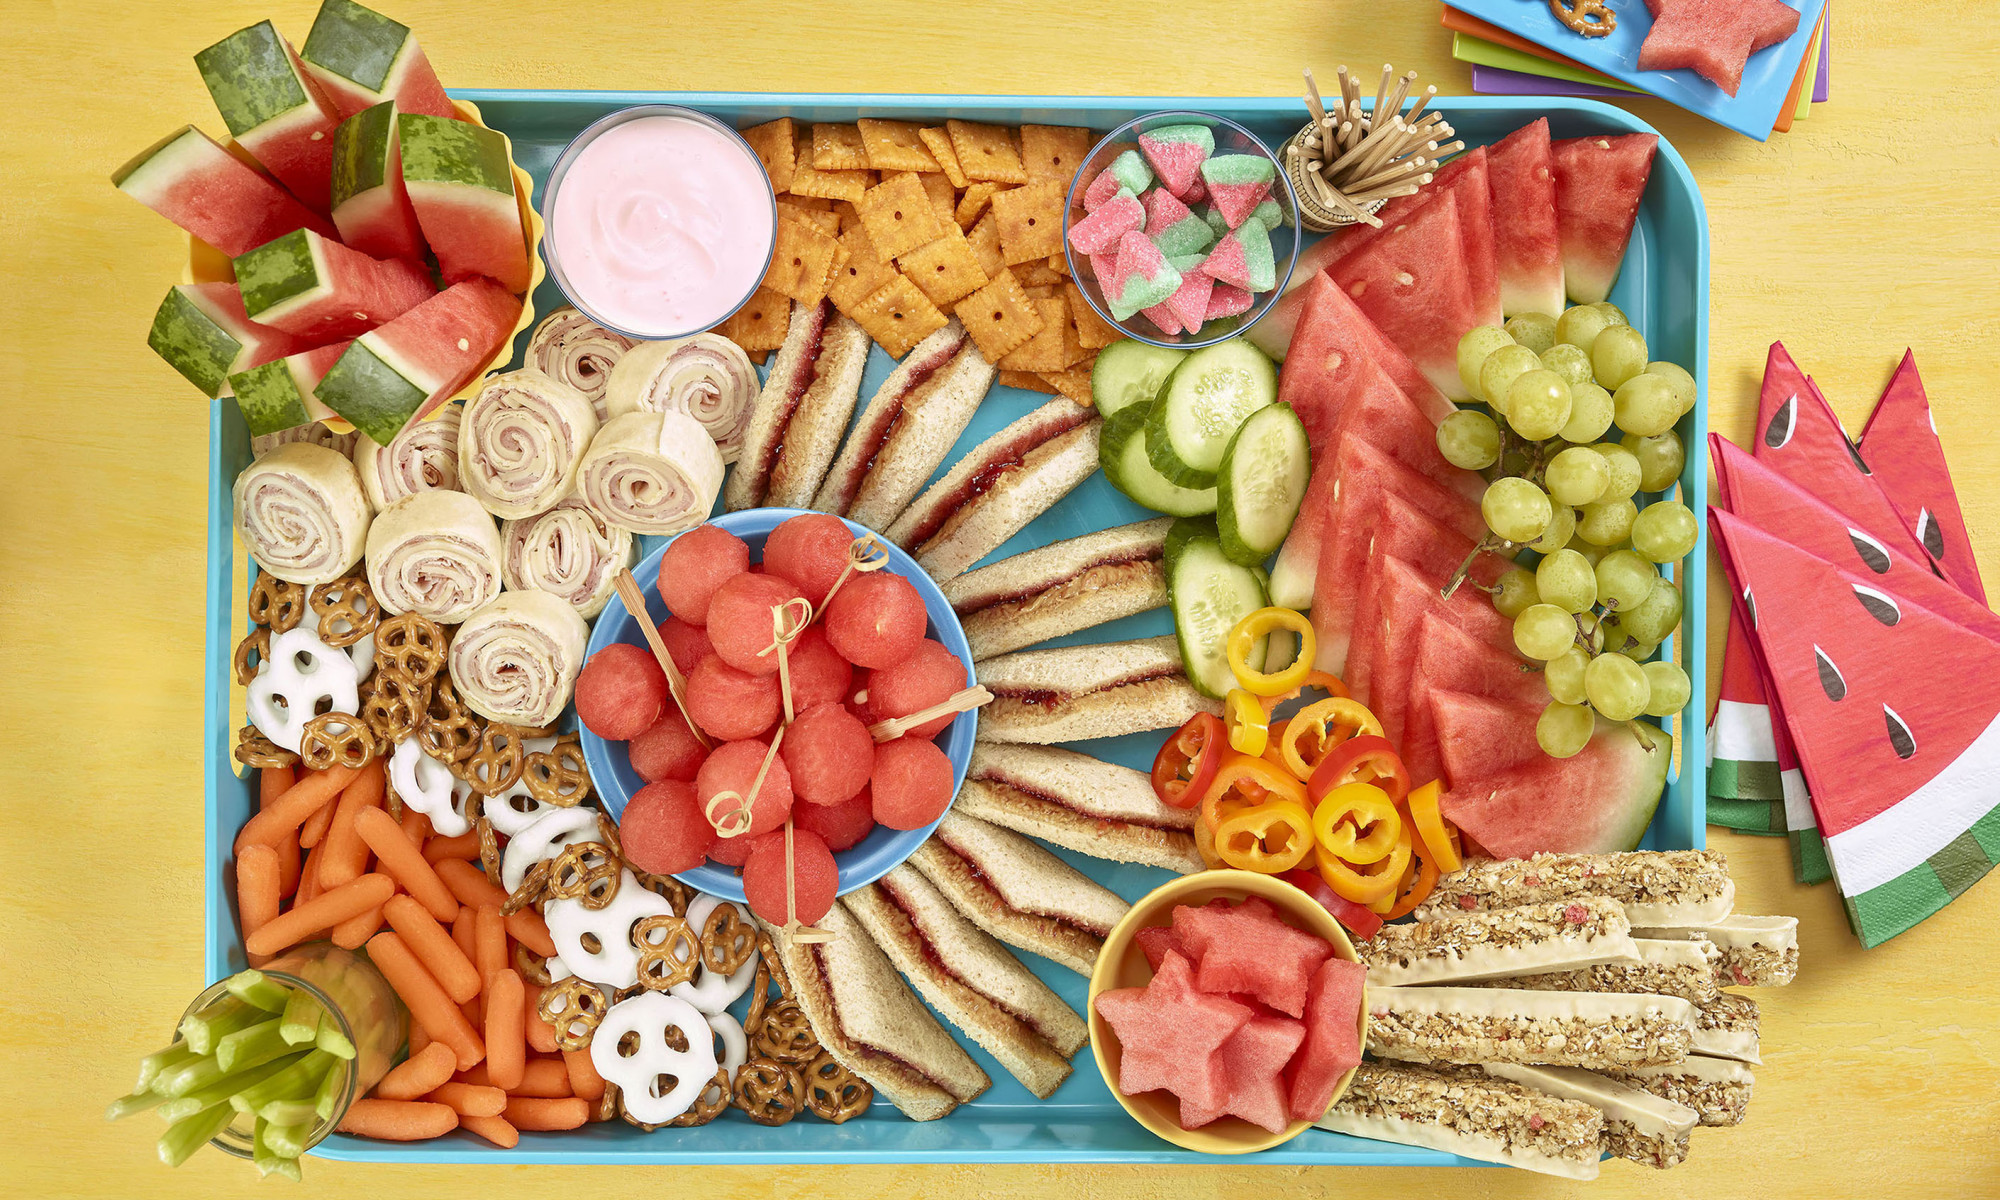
(298, 1081)
(332, 1086)
(176, 1055)
(209, 1026)
(288, 1167)
(197, 1072)
(247, 1047)
(332, 1041)
(300, 1023)
(288, 1112)
(254, 987)
(137, 1102)
(190, 1134)
(288, 1141)
(222, 1089)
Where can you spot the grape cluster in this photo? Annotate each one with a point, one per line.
(1594, 607)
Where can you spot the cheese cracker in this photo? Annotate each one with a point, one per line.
(946, 269)
(986, 152)
(838, 148)
(761, 323)
(1053, 152)
(938, 142)
(776, 148)
(1031, 223)
(895, 146)
(898, 316)
(999, 316)
(801, 262)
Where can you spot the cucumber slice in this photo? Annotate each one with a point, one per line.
(1263, 478)
(1204, 400)
(1121, 452)
(1183, 531)
(1130, 372)
(1209, 595)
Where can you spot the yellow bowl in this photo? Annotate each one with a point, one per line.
(1122, 964)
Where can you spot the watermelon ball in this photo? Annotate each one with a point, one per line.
(829, 755)
(819, 675)
(815, 878)
(876, 620)
(686, 644)
(733, 768)
(697, 563)
(930, 675)
(621, 692)
(811, 551)
(842, 825)
(669, 750)
(663, 831)
(740, 620)
(731, 705)
(912, 783)
(733, 852)
(861, 696)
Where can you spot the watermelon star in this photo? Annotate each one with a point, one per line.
(1252, 952)
(1713, 37)
(1252, 1064)
(1169, 1033)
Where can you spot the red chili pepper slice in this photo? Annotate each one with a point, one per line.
(1364, 758)
(1188, 760)
(1355, 918)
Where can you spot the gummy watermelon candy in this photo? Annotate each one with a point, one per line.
(361, 58)
(206, 190)
(1415, 292)
(1109, 221)
(1102, 189)
(1250, 951)
(1227, 301)
(1713, 37)
(1900, 441)
(1130, 172)
(1243, 259)
(1237, 184)
(1173, 226)
(1252, 1064)
(1333, 1037)
(1140, 276)
(274, 109)
(1527, 243)
(1176, 153)
(1168, 1033)
(1599, 182)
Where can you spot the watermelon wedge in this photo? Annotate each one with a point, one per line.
(1407, 594)
(202, 332)
(1414, 287)
(1449, 658)
(1405, 532)
(1900, 442)
(1527, 242)
(1333, 1037)
(361, 58)
(404, 369)
(274, 109)
(1467, 178)
(206, 190)
(1897, 722)
(316, 287)
(370, 204)
(279, 395)
(1599, 182)
(1516, 801)
(462, 186)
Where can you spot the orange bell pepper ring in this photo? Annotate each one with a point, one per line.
(1440, 842)
(1249, 725)
(1244, 782)
(1261, 624)
(1417, 889)
(1330, 684)
(1358, 884)
(1322, 725)
(1274, 746)
(1269, 839)
(1357, 823)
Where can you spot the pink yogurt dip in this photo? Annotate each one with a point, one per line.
(662, 226)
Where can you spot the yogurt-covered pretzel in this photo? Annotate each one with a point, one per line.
(299, 673)
(426, 785)
(597, 944)
(634, 1048)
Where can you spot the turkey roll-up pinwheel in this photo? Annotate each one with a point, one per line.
(516, 660)
(435, 553)
(705, 376)
(301, 513)
(422, 458)
(578, 351)
(651, 472)
(314, 432)
(520, 442)
(568, 551)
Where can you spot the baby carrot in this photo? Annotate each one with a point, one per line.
(543, 1078)
(308, 876)
(584, 1081)
(323, 911)
(301, 800)
(354, 932)
(423, 1072)
(288, 865)
(540, 1034)
(419, 1039)
(469, 1101)
(416, 827)
(257, 887)
(346, 855)
(471, 886)
(399, 1120)
(273, 782)
(465, 846)
(463, 934)
(433, 947)
(405, 863)
(531, 1112)
(493, 1129)
(428, 1003)
(489, 943)
(313, 831)
(506, 1035)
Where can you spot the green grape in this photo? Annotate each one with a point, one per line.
(1564, 729)
(1670, 686)
(1674, 373)
(1617, 639)
(1578, 475)
(1617, 355)
(1536, 331)
(1616, 687)
(1502, 367)
(1565, 579)
(1658, 615)
(1544, 631)
(1537, 404)
(1590, 633)
(1515, 592)
(1625, 471)
(1579, 326)
(1516, 510)
(1645, 405)
(1562, 527)
(1469, 438)
(1514, 460)
(1612, 313)
(1639, 651)
(1473, 347)
(1564, 675)
(1590, 413)
(1661, 458)
(1569, 362)
(1624, 580)
(1607, 523)
(1665, 532)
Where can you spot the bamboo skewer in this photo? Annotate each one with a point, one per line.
(635, 603)
(1346, 161)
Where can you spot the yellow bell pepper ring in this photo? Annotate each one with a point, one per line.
(1359, 884)
(1269, 839)
(1321, 725)
(1260, 624)
(1249, 725)
(1357, 823)
(1439, 845)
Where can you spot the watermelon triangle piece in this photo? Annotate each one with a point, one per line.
(1527, 242)
(1404, 531)
(1450, 658)
(400, 371)
(1516, 801)
(1404, 595)
(1252, 1063)
(1900, 442)
(201, 187)
(1713, 39)
(315, 287)
(1897, 722)
(1274, 331)
(1467, 179)
(1333, 1037)
(1169, 1032)
(1413, 285)
(274, 109)
(1599, 183)
(361, 58)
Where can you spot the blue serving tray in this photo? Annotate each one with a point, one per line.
(1663, 287)
(1753, 110)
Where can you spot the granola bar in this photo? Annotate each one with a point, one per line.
(1637, 1125)
(1657, 887)
(1564, 1029)
(1502, 941)
(1663, 968)
(1466, 1112)
(1716, 1088)
(1756, 951)
(1726, 1027)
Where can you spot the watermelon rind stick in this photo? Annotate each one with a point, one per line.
(360, 58)
(190, 1134)
(273, 109)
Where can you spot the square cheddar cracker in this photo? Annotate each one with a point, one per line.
(895, 146)
(1031, 223)
(986, 152)
(898, 316)
(999, 316)
(898, 215)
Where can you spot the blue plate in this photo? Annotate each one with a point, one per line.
(1753, 110)
(611, 767)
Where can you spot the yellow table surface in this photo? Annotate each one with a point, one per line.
(1870, 227)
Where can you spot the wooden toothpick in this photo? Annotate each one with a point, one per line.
(965, 701)
(635, 603)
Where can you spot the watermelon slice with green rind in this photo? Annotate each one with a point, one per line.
(1413, 285)
(274, 109)
(400, 371)
(361, 58)
(202, 332)
(1448, 658)
(1402, 593)
(461, 183)
(1465, 178)
(201, 187)
(1600, 180)
(1527, 241)
(370, 204)
(1900, 443)
(316, 287)
(1274, 332)
(278, 395)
